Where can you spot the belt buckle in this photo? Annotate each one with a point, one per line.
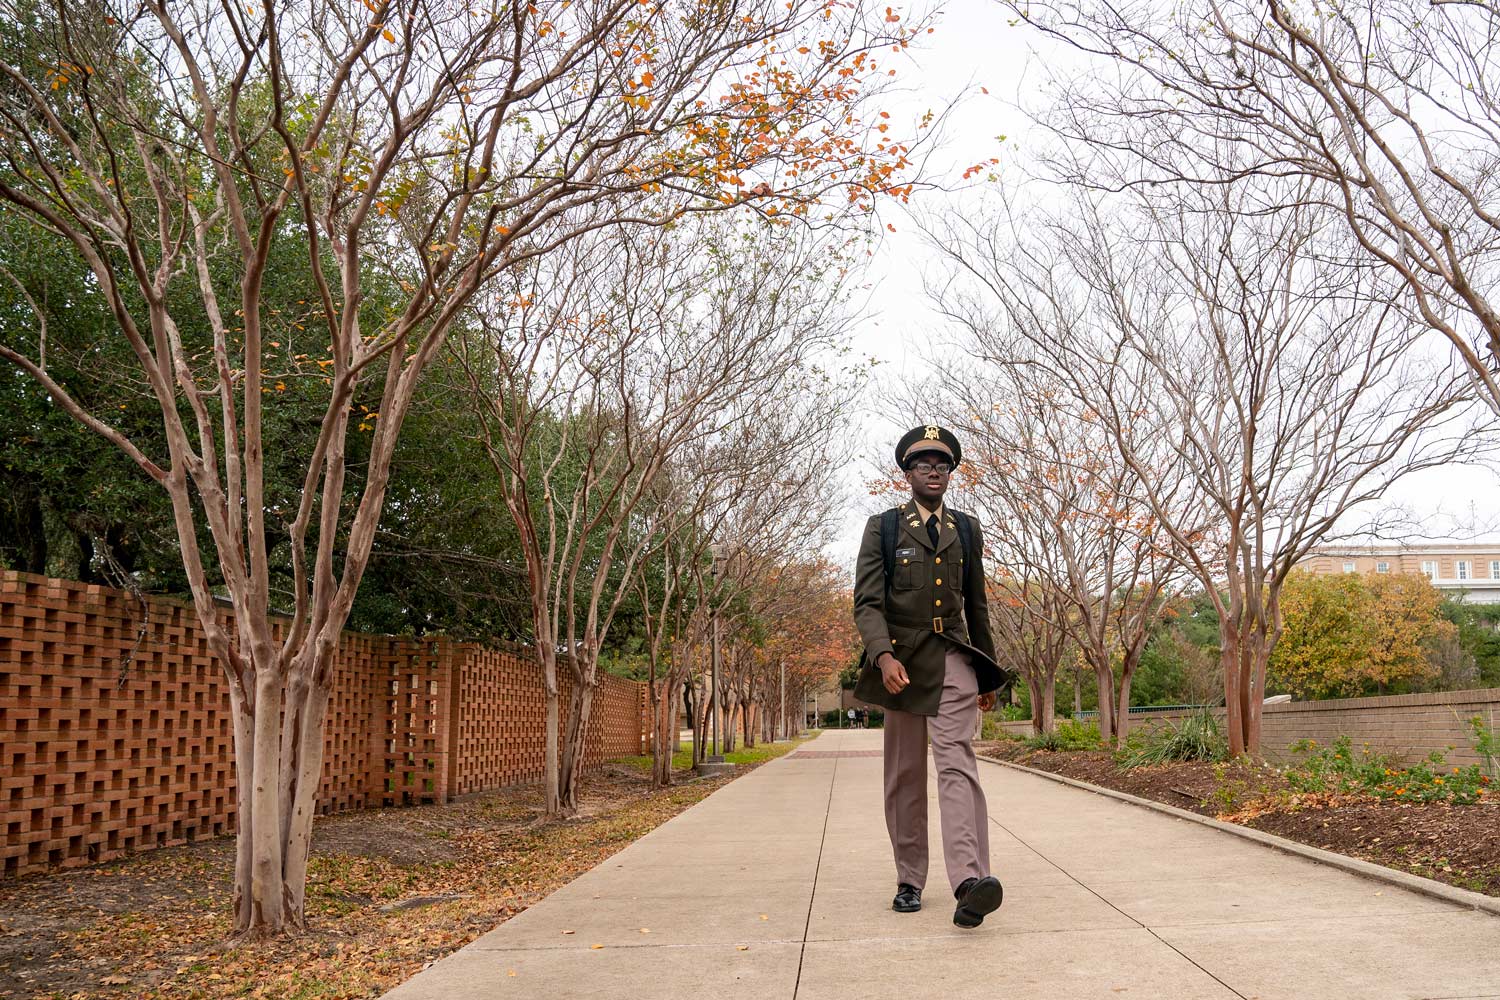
(937, 625)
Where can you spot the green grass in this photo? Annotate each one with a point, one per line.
(683, 759)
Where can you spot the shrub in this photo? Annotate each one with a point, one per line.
(1197, 737)
(1068, 735)
(1338, 768)
(990, 728)
(1429, 781)
(1486, 745)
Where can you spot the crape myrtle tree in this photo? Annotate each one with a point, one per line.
(1065, 511)
(766, 529)
(74, 505)
(1387, 106)
(768, 562)
(1025, 586)
(1258, 387)
(769, 472)
(433, 145)
(807, 619)
(591, 370)
(1025, 617)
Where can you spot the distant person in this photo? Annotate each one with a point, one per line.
(851, 718)
(929, 661)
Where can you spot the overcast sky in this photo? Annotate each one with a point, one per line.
(975, 47)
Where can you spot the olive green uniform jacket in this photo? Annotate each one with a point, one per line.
(936, 602)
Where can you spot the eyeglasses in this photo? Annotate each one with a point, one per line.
(924, 468)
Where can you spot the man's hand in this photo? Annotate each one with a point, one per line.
(893, 674)
(987, 701)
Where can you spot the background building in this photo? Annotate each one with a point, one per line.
(1471, 571)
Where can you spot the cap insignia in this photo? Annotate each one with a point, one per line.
(931, 434)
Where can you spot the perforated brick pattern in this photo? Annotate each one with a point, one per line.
(91, 769)
(504, 716)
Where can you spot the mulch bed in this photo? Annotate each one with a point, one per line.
(156, 925)
(1459, 845)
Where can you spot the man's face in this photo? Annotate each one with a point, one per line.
(927, 472)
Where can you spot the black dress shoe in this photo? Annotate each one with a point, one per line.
(908, 899)
(976, 897)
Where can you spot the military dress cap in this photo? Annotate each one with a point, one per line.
(928, 437)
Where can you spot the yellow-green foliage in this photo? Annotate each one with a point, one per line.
(1347, 634)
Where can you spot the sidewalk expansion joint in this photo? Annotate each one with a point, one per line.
(813, 898)
(1091, 891)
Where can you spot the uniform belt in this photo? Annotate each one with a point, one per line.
(939, 624)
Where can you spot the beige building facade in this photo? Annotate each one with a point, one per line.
(1471, 571)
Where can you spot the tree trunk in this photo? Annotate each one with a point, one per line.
(700, 724)
(664, 723)
(1260, 656)
(727, 721)
(551, 770)
(267, 871)
(1104, 679)
(656, 732)
(570, 774)
(1122, 710)
(244, 780)
(1034, 688)
(1234, 712)
(307, 772)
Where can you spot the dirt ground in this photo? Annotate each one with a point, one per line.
(155, 926)
(1456, 844)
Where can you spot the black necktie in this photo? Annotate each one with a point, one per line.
(932, 530)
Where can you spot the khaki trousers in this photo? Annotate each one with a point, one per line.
(961, 805)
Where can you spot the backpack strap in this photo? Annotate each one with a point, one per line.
(890, 524)
(965, 533)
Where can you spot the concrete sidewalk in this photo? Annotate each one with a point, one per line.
(779, 886)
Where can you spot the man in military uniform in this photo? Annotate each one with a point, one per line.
(920, 607)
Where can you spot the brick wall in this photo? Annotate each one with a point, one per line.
(91, 768)
(502, 743)
(1409, 726)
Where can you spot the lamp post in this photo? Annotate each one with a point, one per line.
(781, 722)
(715, 757)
